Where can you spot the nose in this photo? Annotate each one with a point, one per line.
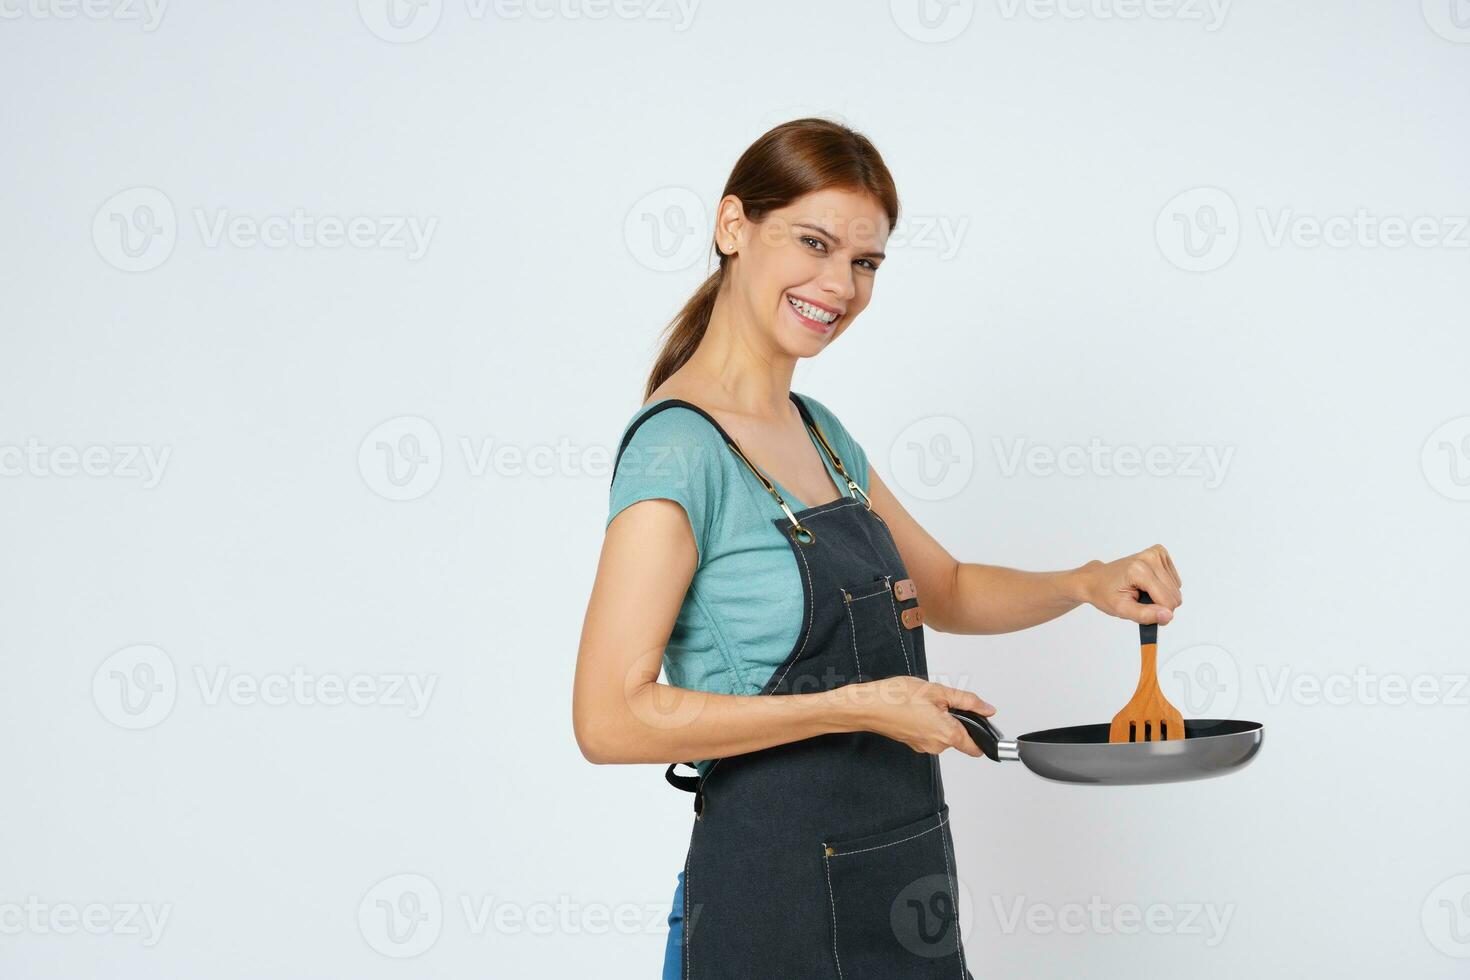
(837, 279)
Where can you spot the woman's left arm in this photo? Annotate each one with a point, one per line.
(965, 597)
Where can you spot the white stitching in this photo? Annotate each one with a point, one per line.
(822, 510)
(878, 847)
(901, 644)
(827, 861)
(852, 634)
(955, 898)
(810, 615)
(684, 923)
(869, 595)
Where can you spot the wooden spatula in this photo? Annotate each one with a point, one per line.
(1148, 717)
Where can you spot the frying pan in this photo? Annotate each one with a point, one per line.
(1083, 754)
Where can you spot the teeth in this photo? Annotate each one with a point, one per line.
(811, 312)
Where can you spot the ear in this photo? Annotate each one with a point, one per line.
(730, 222)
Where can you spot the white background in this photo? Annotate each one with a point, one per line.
(1042, 293)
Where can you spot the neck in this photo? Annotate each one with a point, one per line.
(737, 357)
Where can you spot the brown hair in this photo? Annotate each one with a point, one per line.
(788, 162)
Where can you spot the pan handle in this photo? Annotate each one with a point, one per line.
(989, 738)
(1147, 632)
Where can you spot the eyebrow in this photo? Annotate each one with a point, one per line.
(865, 255)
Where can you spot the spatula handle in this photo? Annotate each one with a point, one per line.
(1147, 632)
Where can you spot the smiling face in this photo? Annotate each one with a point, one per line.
(805, 272)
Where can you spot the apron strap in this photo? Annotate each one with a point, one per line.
(853, 489)
(689, 784)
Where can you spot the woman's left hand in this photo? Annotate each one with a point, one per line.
(1113, 586)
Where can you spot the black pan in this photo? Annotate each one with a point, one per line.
(1083, 754)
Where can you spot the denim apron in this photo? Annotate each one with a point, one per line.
(829, 858)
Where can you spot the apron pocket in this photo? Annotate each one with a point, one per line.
(894, 911)
(874, 632)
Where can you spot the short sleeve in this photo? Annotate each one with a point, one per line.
(848, 449)
(671, 455)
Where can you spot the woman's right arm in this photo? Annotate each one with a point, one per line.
(621, 713)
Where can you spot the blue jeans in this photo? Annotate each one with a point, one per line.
(674, 951)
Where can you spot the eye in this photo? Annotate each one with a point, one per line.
(812, 242)
(868, 264)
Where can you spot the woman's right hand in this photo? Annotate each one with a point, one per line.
(915, 712)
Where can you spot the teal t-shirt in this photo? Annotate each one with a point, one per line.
(743, 608)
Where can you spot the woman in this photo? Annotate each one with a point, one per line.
(752, 554)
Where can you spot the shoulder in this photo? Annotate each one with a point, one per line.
(847, 447)
(671, 450)
(667, 427)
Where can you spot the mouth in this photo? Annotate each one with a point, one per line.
(814, 316)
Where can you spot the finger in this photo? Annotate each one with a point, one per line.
(1143, 577)
(1169, 564)
(1168, 594)
(967, 700)
(959, 737)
